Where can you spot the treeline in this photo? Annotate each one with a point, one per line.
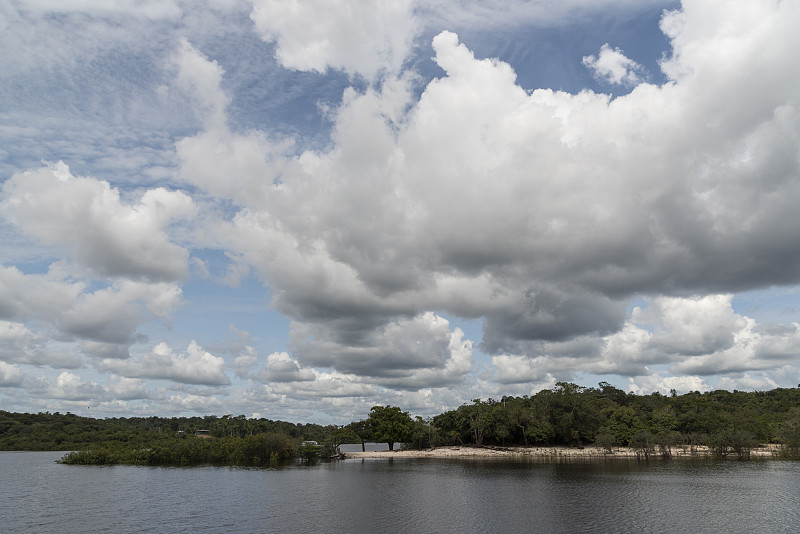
(69, 432)
(575, 416)
(566, 415)
(572, 415)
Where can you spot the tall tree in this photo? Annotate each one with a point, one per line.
(363, 431)
(390, 425)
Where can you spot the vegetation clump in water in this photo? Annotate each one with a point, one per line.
(261, 450)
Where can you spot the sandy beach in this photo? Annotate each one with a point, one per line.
(547, 453)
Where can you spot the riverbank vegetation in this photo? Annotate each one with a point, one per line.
(64, 432)
(178, 441)
(259, 450)
(729, 424)
(725, 423)
(570, 415)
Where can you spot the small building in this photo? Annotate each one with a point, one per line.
(311, 443)
(203, 434)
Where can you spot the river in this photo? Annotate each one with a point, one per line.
(40, 496)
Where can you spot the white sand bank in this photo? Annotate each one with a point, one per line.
(547, 453)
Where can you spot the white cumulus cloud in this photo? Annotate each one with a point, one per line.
(432, 190)
(611, 65)
(103, 233)
(10, 375)
(540, 211)
(363, 38)
(194, 366)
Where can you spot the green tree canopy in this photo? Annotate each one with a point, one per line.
(389, 424)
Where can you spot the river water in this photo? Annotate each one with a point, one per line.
(38, 495)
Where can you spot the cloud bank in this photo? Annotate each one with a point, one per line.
(589, 234)
(542, 212)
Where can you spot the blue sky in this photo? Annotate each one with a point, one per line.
(301, 210)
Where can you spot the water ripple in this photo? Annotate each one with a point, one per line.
(421, 496)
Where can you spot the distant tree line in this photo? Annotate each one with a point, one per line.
(65, 432)
(728, 423)
(576, 416)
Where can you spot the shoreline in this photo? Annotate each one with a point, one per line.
(770, 451)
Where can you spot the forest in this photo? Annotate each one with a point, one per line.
(728, 423)
(576, 416)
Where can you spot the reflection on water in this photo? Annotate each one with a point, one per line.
(426, 495)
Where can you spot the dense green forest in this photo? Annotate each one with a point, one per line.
(566, 415)
(62, 432)
(160, 441)
(605, 416)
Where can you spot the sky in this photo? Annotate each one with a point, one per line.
(300, 210)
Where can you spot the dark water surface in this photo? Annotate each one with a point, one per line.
(38, 495)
